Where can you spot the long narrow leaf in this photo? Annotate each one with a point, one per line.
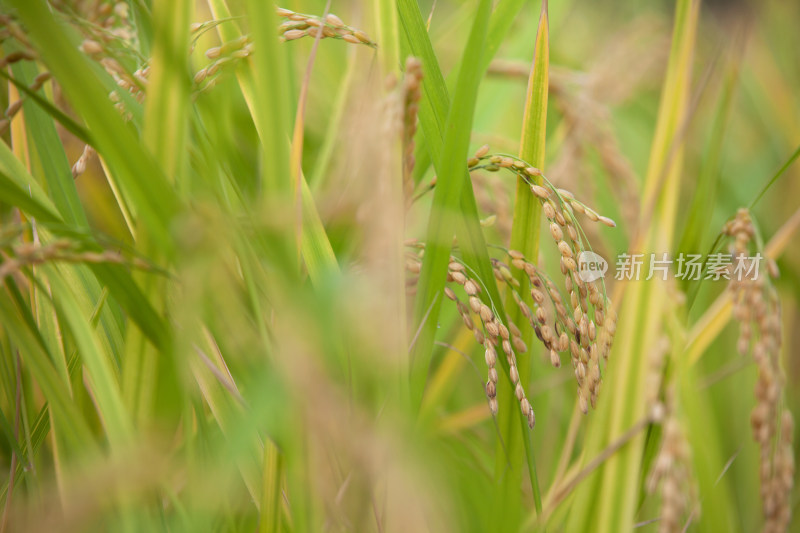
(525, 234)
(445, 211)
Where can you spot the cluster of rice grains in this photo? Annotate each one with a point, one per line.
(673, 472)
(16, 260)
(107, 21)
(585, 329)
(296, 26)
(299, 25)
(582, 323)
(411, 94)
(491, 334)
(494, 334)
(110, 39)
(225, 56)
(757, 309)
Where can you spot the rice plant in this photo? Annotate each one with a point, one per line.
(402, 265)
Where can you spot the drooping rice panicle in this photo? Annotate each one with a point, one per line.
(757, 309)
(671, 475)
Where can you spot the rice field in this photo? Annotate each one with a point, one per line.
(408, 265)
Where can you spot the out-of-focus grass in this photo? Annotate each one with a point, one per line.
(209, 381)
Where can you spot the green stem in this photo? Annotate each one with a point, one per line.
(525, 238)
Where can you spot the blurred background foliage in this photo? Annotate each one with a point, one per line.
(272, 402)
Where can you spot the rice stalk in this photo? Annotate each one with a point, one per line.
(642, 305)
